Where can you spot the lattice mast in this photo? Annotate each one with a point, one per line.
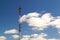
(19, 24)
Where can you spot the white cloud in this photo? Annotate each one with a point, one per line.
(33, 37)
(40, 22)
(43, 34)
(25, 37)
(41, 38)
(35, 14)
(59, 32)
(24, 17)
(15, 36)
(53, 39)
(56, 23)
(58, 17)
(2, 38)
(11, 31)
(37, 37)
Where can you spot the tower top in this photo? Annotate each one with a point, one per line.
(19, 10)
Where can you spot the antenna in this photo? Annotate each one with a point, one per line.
(19, 24)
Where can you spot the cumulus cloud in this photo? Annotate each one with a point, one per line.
(11, 31)
(34, 37)
(56, 23)
(39, 21)
(3, 38)
(24, 17)
(37, 37)
(15, 36)
(53, 39)
(25, 37)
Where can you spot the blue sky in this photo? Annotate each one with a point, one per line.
(9, 15)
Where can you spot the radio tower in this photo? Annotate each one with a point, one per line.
(19, 24)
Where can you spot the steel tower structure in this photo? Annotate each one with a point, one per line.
(19, 24)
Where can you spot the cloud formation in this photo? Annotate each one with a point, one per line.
(37, 37)
(39, 22)
(3, 38)
(34, 37)
(15, 36)
(53, 39)
(11, 31)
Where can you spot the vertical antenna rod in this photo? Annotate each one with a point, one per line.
(19, 24)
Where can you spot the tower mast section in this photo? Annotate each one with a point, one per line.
(19, 24)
